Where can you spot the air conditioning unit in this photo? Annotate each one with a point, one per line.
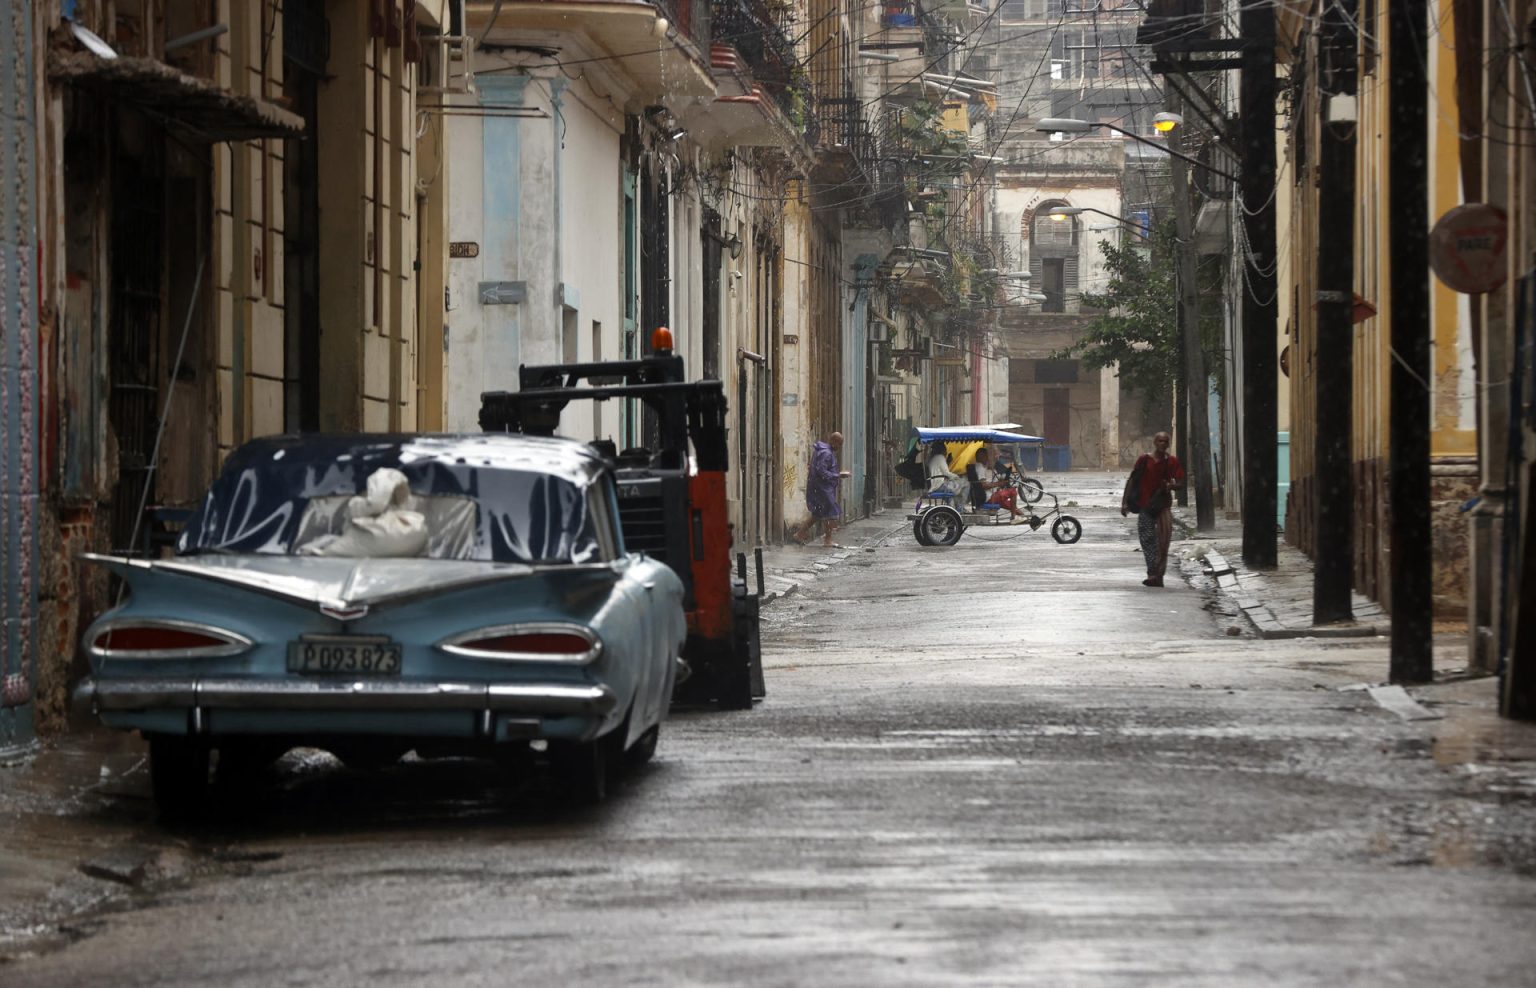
(448, 64)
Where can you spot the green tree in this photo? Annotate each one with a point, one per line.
(1138, 324)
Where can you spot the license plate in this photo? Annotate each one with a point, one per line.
(347, 656)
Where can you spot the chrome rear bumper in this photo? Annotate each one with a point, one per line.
(369, 695)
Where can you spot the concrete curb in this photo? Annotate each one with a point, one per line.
(788, 567)
(1245, 591)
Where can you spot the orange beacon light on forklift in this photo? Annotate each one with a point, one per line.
(661, 340)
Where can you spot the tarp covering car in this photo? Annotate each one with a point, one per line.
(483, 498)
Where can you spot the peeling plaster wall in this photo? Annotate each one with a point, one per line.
(1453, 439)
(541, 200)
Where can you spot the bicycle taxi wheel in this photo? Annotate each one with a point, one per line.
(939, 525)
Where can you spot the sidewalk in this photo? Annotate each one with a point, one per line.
(1277, 602)
(789, 566)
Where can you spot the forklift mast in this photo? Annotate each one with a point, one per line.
(669, 508)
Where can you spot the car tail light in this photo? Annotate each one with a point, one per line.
(527, 643)
(165, 640)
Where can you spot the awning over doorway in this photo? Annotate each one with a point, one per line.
(196, 107)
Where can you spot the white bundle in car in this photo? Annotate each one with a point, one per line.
(378, 523)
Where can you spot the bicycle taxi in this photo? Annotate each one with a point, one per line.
(941, 515)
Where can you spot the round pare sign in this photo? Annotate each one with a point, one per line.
(1466, 248)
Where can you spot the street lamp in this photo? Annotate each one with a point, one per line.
(1068, 125)
(1062, 212)
(1195, 378)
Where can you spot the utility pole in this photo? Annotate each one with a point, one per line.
(1196, 389)
(1412, 654)
(1332, 487)
(1257, 214)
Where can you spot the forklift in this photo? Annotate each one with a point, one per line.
(670, 507)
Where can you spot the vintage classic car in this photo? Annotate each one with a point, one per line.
(372, 595)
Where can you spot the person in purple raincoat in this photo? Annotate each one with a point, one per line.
(821, 491)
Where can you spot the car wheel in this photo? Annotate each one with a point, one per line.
(583, 770)
(644, 748)
(1067, 530)
(1031, 490)
(367, 758)
(239, 761)
(178, 774)
(942, 526)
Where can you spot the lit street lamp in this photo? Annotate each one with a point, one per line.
(1164, 123)
(1195, 377)
(1062, 212)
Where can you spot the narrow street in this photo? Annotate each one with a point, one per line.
(1001, 763)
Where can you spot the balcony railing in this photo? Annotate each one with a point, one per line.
(839, 125)
(760, 32)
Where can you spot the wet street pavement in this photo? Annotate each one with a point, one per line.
(1001, 763)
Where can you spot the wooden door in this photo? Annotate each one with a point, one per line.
(1058, 416)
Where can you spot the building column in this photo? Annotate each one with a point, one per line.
(349, 248)
(19, 371)
(1109, 418)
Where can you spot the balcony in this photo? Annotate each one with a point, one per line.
(919, 283)
(750, 118)
(744, 112)
(182, 95)
(660, 47)
(843, 140)
(759, 33)
(762, 99)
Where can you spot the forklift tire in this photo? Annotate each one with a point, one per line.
(734, 690)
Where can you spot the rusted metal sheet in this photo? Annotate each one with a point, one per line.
(18, 377)
(196, 106)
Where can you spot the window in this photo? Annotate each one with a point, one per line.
(1055, 372)
(1053, 256)
(1055, 231)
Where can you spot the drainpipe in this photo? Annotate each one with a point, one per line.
(557, 132)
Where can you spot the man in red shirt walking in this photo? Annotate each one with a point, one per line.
(1149, 493)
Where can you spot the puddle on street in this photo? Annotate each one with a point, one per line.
(1486, 738)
